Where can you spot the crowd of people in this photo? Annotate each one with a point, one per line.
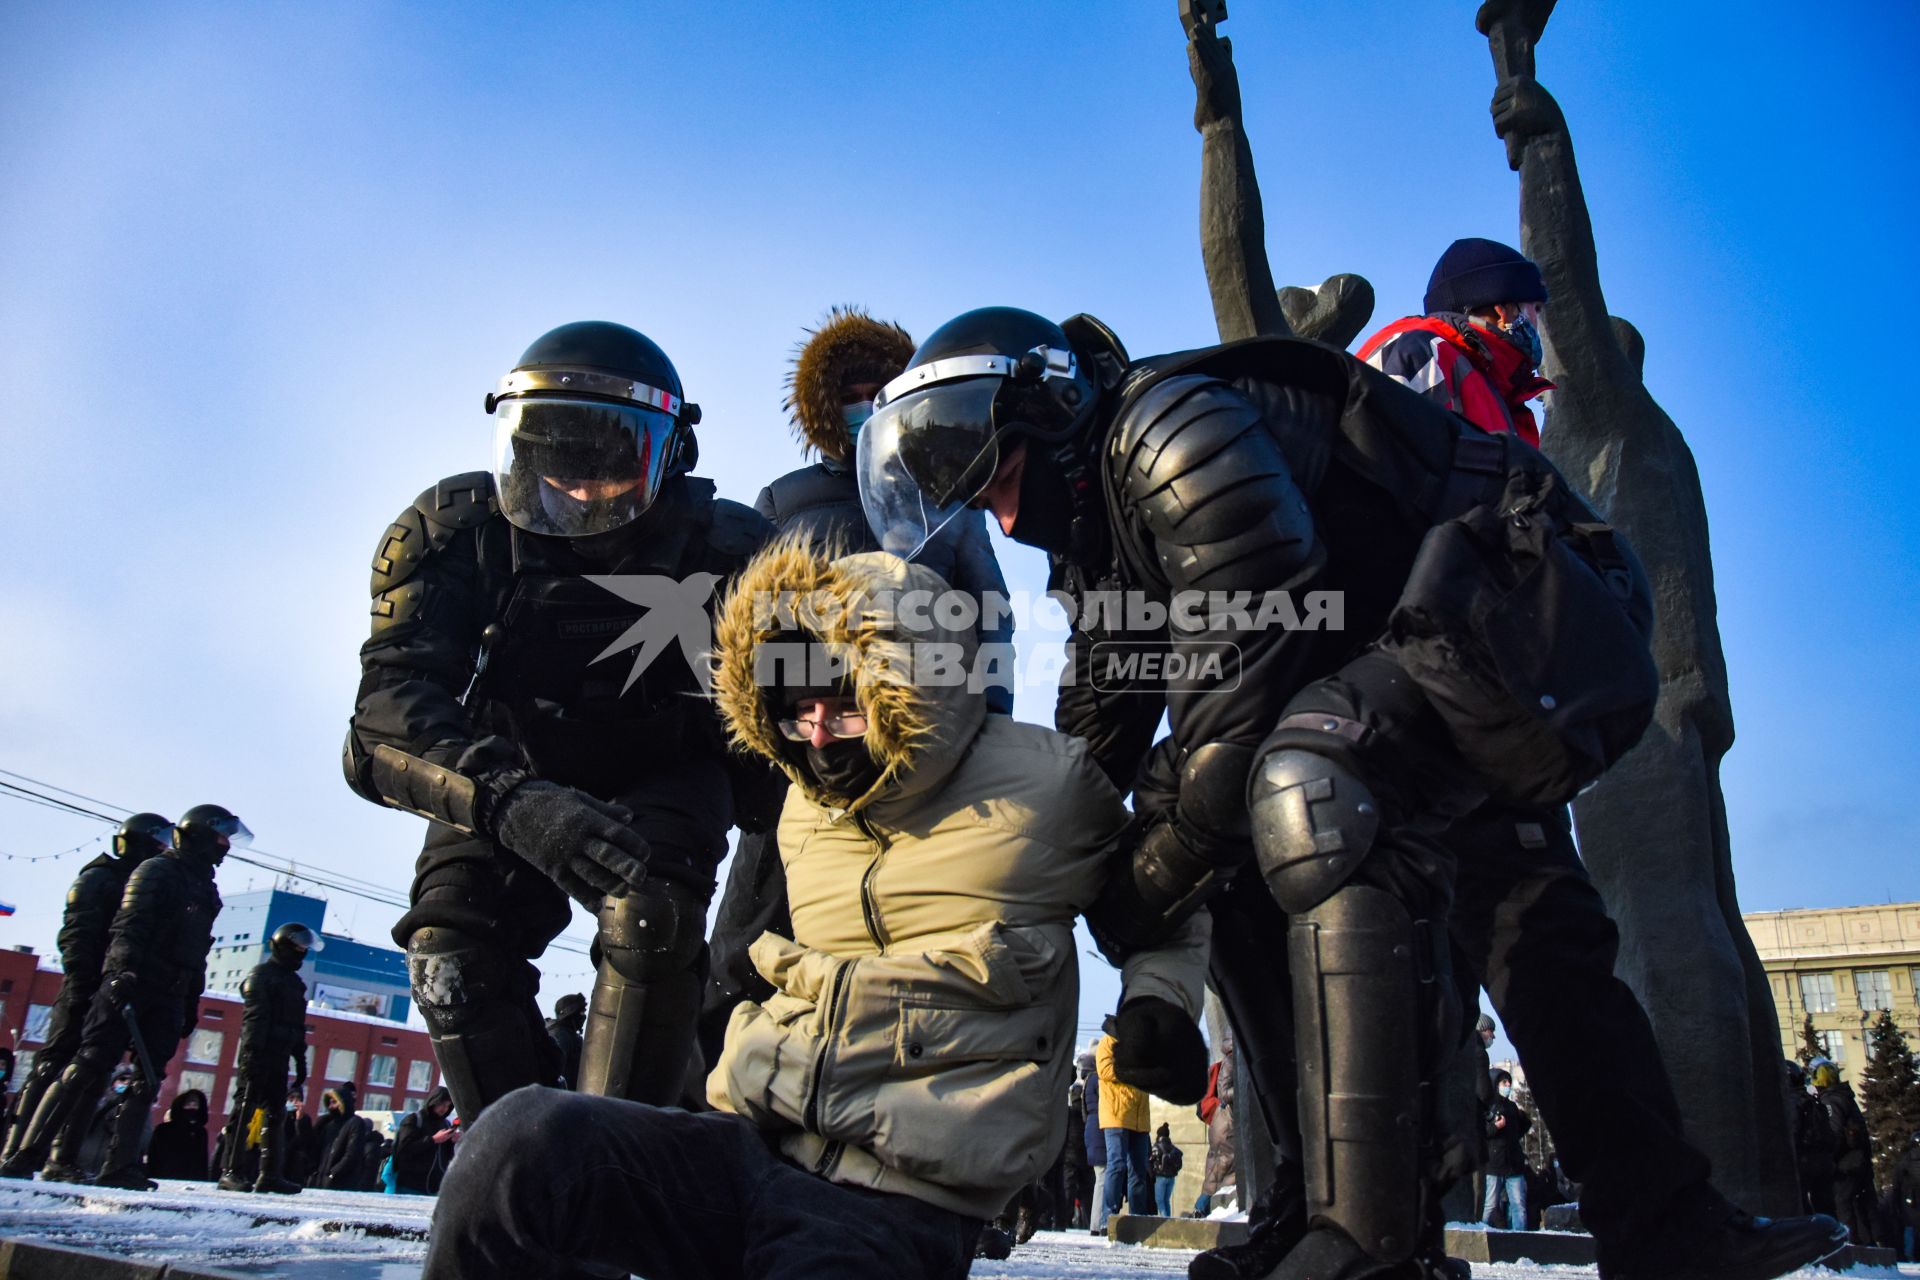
(133, 946)
(1834, 1149)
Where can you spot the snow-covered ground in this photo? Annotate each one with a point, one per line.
(348, 1235)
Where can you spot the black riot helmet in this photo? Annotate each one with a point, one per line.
(206, 831)
(291, 943)
(141, 836)
(979, 383)
(588, 427)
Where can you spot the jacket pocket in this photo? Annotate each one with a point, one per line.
(932, 1037)
(984, 1123)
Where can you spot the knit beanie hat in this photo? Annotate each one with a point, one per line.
(1475, 273)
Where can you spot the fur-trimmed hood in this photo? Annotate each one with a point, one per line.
(849, 346)
(850, 607)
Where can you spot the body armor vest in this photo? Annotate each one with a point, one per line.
(593, 686)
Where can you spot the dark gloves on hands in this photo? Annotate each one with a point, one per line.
(1158, 1048)
(120, 988)
(582, 844)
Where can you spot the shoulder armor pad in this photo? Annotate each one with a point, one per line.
(459, 502)
(738, 530)
(436, 516)
(1199, 472)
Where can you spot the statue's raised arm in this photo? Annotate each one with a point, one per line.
(1555, 230)
(1233, 227)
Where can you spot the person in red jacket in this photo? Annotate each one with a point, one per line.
(1477, 350)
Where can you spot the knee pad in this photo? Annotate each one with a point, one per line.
(1314, 821)
(653, 933)
(454, 975)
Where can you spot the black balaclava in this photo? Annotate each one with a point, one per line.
(843, 768)
(1047, 506)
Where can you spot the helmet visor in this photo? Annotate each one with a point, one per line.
(923, 457)
(572, 468)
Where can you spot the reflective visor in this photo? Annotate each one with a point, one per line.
(573, 468)
(923, 457)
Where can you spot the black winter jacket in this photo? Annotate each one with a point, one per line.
(164, 929)
(414, 1149)
(1505, 1156)
(567, 1040)
(91, 904)
(273, 1029)
(178, 1148)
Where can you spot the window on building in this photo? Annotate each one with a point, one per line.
(38, 1016)
(383, 1069)
(201, 1080)
(1816, 992)
(410, 1106)
(23, 1064)
(420, 1075)
(1875, 987)
(233, 1096)
(342, 1063)
(378, 1102)
(204, 1045)
(1833, 1046)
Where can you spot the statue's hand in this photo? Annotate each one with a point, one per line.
(1522, 110)
(1210, 58)
(1531, 15)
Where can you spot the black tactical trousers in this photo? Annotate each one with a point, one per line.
(480, 916)
(1530, 927)
(754, 902)
(63, 1041)
(104, 1041)
(1535, 933)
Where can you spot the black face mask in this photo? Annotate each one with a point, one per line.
(1046, 502)
(843, 768)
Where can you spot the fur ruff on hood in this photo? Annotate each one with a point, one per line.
(917, 733)
(849, 346)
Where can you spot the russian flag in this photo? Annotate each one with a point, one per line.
(6, 908)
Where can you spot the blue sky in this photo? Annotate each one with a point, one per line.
(262, 263)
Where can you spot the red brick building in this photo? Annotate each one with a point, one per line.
(390, 1063)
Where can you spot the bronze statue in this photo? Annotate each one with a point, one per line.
(1653, 831)
(1233, 229)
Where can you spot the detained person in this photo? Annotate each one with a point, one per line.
(903, 1081)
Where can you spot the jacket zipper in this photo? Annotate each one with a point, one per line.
(836, 997)
(869, 907)
(836, 994)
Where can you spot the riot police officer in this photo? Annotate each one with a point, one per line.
(273, 1031)
(528, 687)
(149, 1001)
(563, 1028)
(91, 904)
(1380, 616)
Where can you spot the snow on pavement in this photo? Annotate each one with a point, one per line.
(351, 1235)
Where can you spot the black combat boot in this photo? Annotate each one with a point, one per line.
(1706, 1237)
(273, 1159)
(1273, 1235)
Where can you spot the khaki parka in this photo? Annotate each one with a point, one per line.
(920, 1040)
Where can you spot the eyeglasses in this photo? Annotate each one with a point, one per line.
(846, 724)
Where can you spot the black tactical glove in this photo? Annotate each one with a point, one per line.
(581, 844)
(1158, 1048)
(120, 988)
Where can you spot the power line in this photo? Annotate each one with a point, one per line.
(339, 881)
